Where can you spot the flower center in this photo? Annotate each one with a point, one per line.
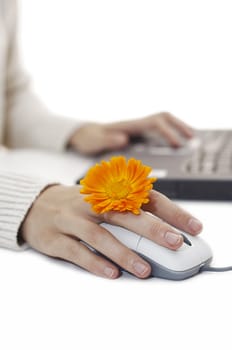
(119, 189)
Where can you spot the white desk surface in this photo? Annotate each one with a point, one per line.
(49, 304)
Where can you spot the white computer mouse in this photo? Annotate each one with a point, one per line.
(187, 261)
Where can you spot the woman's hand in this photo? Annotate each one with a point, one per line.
(93, 138)
(60, 224)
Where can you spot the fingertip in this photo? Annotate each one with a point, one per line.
(174, 240)
(194, 226)
(176, 144)
(190, 133)
(111, 272)
(142, 269)
(148, 272)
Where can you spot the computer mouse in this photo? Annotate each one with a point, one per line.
(194, 254)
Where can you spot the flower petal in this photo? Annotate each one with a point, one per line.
(118, 185)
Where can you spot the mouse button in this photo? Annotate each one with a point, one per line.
(182, 259)
(199, 244)
(201, 248)
(163, 256)
(196, 254)
(126, 237)
(183, 247)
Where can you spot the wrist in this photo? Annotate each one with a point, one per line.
(36, 207)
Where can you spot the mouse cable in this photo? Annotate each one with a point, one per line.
(216, 269)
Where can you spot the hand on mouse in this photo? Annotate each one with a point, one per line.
(93, 138)
(60, 222)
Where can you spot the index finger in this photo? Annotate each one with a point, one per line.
(184, 128)
(167, 210)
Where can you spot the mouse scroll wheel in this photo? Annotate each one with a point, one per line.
(186, 240)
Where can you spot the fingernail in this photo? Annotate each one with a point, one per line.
(195, 225)
(140, 268)
(172, 238)
(109, 272)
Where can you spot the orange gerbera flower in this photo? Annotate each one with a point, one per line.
(118, 185)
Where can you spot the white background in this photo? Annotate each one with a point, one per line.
(107, 60)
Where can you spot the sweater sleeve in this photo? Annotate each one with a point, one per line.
(17, 194)
(28, 122)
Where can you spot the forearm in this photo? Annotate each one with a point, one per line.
(17, 194)
(29, 124)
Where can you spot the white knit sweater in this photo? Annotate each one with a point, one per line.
(24, 122)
